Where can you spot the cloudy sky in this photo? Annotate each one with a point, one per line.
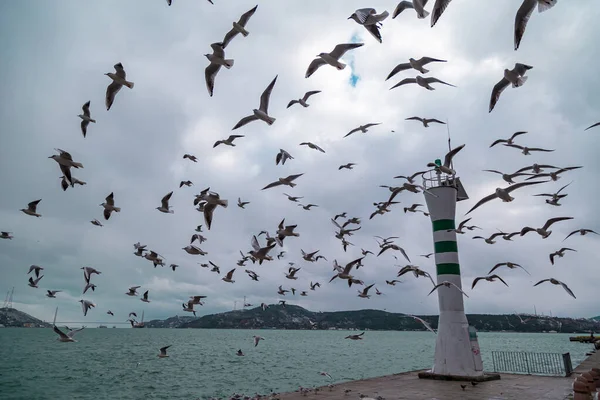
(54, 55)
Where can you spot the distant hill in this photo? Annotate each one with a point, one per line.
(173, 322)
(295, 317)
(10, 317)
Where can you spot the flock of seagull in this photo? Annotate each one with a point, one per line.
(207, 202)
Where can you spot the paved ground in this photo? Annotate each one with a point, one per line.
(408, 386)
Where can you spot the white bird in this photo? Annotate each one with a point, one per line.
(217, 60)
(212, 201)
(86, 119)
(282, 157)
(425, 121)
(365, 292)
(515, 77)
(52, 293)
(508, 264)
(557, 282)
(163, 352)
(86, 305)
(417, 5)
(582, 232)
(510, 140)
(524, 13)
(32, 209)
(34, 282)
(331, 58)
(239, 27)
(242, 204)
(362, 128)
(145, 296)
(423, 82)
(132, 291)
(190, 157)
(447, 284)
(164, 204)
(6, 235)
(287, 181)
(193, 250)
(559, 253)
(68, 337)
(425, 323)
(503, 194)
(543, 231)
(262, 113)
(303, 100)
(36, 269)
(228, 141)
(312, 146)
(96, 222)
(118, 81)
(490, 278)
(109, 206)
(229, 277)
(257, 339)
(414, 64)
(369, 18)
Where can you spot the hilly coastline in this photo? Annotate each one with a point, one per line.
(11, 318)
(295, 317)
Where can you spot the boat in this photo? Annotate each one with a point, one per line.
(102, 326)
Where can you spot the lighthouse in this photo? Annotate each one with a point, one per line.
(457, 352)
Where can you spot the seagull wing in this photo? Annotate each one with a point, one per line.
(438, 9)
(522, 18)
(500, 279)
(363, 13)
(593, 126)
(229, 36)
(398, 68)
(404, 82)
(246, 16)
(403, 5)
(74, 331)
(520, 185)
(521, 69)
(209, 74)
(436, 80)
(564, 286)
(292, 102)
(374, 31)
(313, 66)
(450, 155)
(475, 282)
(553, 220)
(111, 92)
(245, 121)
(542, 281)
(414, 119)
(110, 199)
(341, 49)
(264, 98)
(60, 333)
(271, 185)
(293, 177)
(165, 200)
(497, 91)
(427, 60)
(208, 214)
(482, 202)
(308, 94)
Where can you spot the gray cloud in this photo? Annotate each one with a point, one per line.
(53, 59)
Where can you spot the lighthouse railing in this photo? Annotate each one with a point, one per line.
(433, 178)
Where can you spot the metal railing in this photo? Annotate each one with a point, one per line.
(522, 362)
(433, 179)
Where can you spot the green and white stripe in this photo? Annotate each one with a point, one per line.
(446, 248)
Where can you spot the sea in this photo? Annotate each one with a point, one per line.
(124, 363)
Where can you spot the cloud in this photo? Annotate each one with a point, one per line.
(54, 62)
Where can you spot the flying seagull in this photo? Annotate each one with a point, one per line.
(559, 253)
(164, 204)
(414, 64)
(369, 18)
(68, 337)
(85, 117)
(516, 77)
(557, 282)
(288, 181)
(86, 305)
(242, 204)
(109, 206)
(6, 235)
(510, 140)
(282, 157)
(312, 146)
(508, 264)
(490, 278)
(508, 177)
(32, 209)
(346, 166)
(527, 150)
(543, 231)
(262, 113)
(34, 282)
(503, 194)
(446, 167)
(582, 232)
(331, 58)
(163, 352)
(239, 27)
(118, 81)
(303, 100)
(362, 128)
(228, 141)
(417, 5)
(524, 13)
(190, 157)
(217, 59)
(593, 126)
(425, 121)
(438, 9)
(447, 284)
(423, 82)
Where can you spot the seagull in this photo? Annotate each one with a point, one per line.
(228, 141)
(411, 178)
(344, 273)
(145, 296)
(582, 232)
(364, 294)
(447, 284)
(346, 166)
(96, 222)
(52, 293)
(331, 58)
(163, 352)
(312, 146)
(261, 253)
(173, 267)
(460, 229)
(253, 275)
(239, 27)
(186, 183)
(393, 247)
(68, 337)
(34, 283)
(190, 157)
(217, 60)
(257, 339)
(509, 265)
(592, 126)
(393, 283)
(422, 321)
(282, 157)
(242, 204)
(36, 270)
(557, 282)
(446, 167)
(213, 200)
(425, 121)
(308, 206)
(524, 13)
(239, 353)
(423, 82)
(369, 18)
(554, 174)
(490, 278)
(6, 235)
(543, 231)
(229, 276)
(509, 177)
(315, 285)
(31, 209)
(263, 111)
(193, 250)
(292, 198)
(110, 313)
(438, 9)
(118, 81)
(355, 337)
(516, 77)
(555, 197)
(164, 204)
(503, 193)
(414, 64)
(291, 274)
(288, 181)
(430, 254)
(559, 253)
(527, 150)
(417, 5)
(510, 140)
(132, 291)
(109, 206)
(362, 128)
(417, 272)
(303, 100)
(86, 305)
(86, 119)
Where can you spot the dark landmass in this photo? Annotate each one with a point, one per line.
(295, 317)
(12, 318)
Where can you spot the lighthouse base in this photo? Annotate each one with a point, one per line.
(440, 377)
